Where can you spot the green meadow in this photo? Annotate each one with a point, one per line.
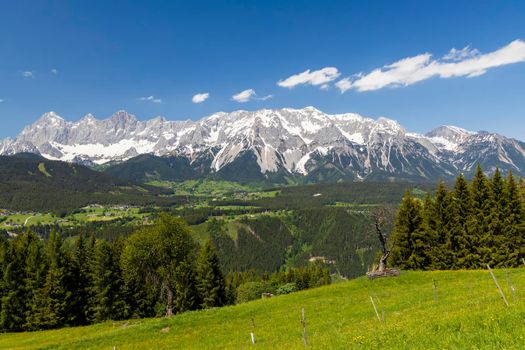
(463, 311)
(87, 215)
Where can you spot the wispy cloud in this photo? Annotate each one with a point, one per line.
(1, 100)
(54, 71)
(316, 77)
(456, 55)
(248, 95)
(466, 62)
(200, 98)
(28, 74)
(150, 99)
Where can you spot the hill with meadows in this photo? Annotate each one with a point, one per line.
(417, 310)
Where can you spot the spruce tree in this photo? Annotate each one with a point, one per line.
(107, 283)
(49, 307)
(12, 312)
(464, 243)
(410, 244)
(430, 228)
(23, 276)
(185, 295)
(75, 281)
(498, 255)
(89, 267)
(210, 280)
(440, 260)
(513, 224)
(478, 231)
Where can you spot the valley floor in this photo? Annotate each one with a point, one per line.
(469, 314)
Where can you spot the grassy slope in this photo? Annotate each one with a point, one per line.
(469, 314)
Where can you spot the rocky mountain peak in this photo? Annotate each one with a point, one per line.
(123, 116)
(50, 117)
(293, 141)
(449, 137)
(88, 118)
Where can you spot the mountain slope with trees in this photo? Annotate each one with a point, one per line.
(30, 182)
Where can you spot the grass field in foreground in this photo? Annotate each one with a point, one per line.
(469, 314)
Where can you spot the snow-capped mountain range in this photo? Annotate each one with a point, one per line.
(280, 142)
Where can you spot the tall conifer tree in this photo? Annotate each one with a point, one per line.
(479, 224)
(49, 307)
(409, 237)
(210, 280)
(496, 220)
(23, 276)
(107, 283)
(439, 260)
(464, 244)
(513, 224)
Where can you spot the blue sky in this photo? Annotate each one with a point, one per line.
(376, 58)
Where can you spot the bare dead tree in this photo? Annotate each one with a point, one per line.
(381, 217)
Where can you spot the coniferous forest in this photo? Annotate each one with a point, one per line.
(157, 270)
(473, 224)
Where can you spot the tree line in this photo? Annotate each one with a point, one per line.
(158, 270)
(466, 227)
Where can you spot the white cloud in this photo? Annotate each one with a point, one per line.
(244, 96)
(1, 100)
(54, 71)
(466, 62)
(344, 84)
(459, 55)
(151, 99)
(199, 98)
(325, 87)
(248, 95)
(267, 97)
(317, 77)
(27, 74)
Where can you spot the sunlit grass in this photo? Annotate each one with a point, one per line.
(89, 215)
(469, 314)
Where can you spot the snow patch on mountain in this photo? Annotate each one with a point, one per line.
(280, 139)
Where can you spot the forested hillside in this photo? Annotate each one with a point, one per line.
(148, 167)
(30, 182)
(341, 239)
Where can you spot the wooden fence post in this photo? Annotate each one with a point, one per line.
(252, 333)
(303, 322)
(435, 291)
(375, 309)
(512, 289)
(497, 285)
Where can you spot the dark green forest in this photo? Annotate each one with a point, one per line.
(341, 238)
(30, 182)
(474, 223)
(156, 270)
